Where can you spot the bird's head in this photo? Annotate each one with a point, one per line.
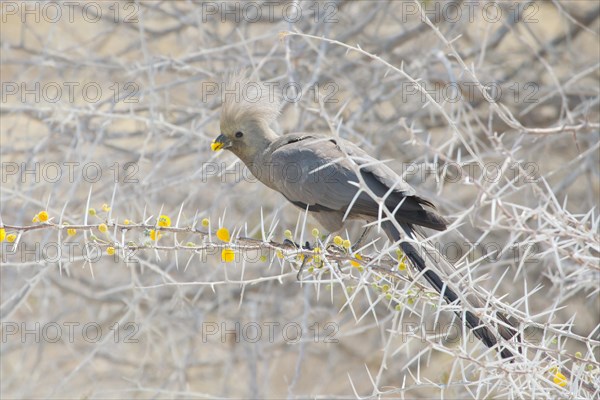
(247, 113)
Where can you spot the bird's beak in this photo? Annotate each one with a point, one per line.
(221, 142)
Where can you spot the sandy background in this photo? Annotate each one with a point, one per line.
(148, 135)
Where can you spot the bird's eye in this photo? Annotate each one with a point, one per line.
(239, 134)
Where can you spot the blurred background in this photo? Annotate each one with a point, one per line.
(490, 110)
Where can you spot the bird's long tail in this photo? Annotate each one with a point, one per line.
(505, 329)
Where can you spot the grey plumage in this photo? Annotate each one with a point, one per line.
(323, 174)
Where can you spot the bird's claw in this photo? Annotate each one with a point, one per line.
(307, 245)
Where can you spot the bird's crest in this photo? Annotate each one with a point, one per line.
(246, 99)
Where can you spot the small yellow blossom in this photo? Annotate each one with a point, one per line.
(103, 228)
(578, 354)
(164, 221)
(92, 211)
(43, 216)
(402, 266)
(223, 234)
(263, 258)
(11, 238)
(190, 244)
(3, 234)
(288, 234)
(105, 207)
(354, 263)
(126, 222)
(346, 243)
(398, 307)
(227, 255)
(71, 231)
(560, 379)
(155, 235)
(205, 222)
(279, 254)
(315, 232)
(338, 240)
(35, 219)
(110, 250)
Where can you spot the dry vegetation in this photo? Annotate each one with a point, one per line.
(494, 117)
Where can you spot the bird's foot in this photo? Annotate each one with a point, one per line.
(362, 237)
(306, 246)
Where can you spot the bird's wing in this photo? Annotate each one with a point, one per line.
(314, 171)
(306, 170)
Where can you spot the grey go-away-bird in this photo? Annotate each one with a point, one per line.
(324, 175)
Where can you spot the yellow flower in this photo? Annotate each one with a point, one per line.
(401, 260)
(126, 222)
(71, 231)
(105, 207)
(279, 254)
(11, 238)
(35, 219)
(205, 222)
(560, 379)
(354, 263)
(288, 234)
(223, 234)
(190, 244)
(110, 250)
(92, 211)
(155, 235)
(3, 234)
(315, 232)
(338, 240)
(346, 243)
(227, 255)
(103, 228)
(164, 221)
(43, 216)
